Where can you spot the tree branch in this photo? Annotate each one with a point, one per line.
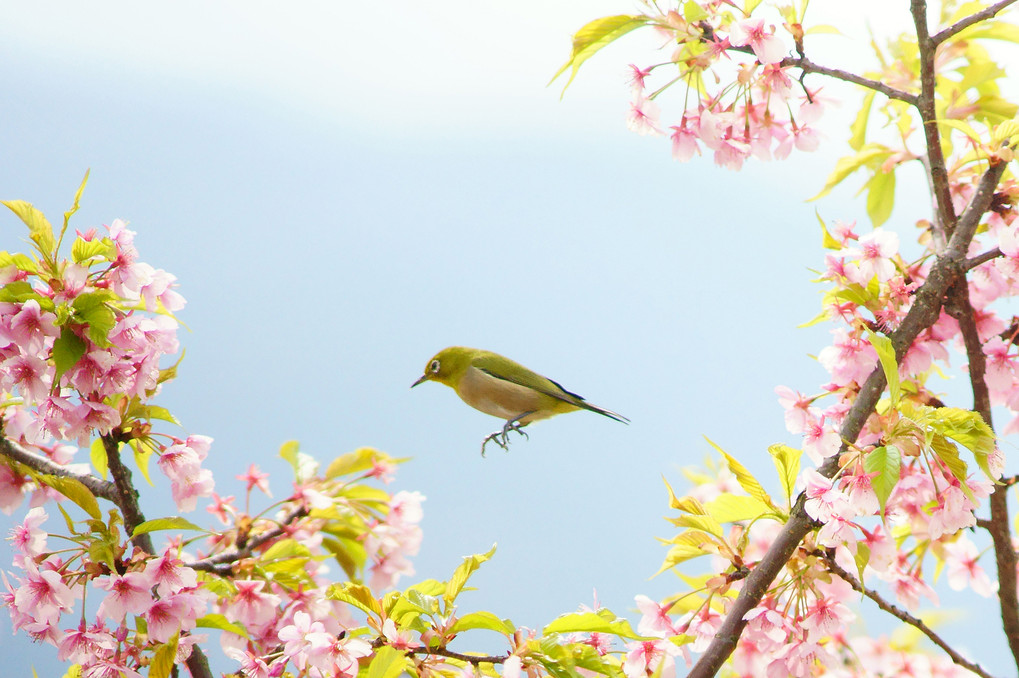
(443, 652)
(983, 258)
(962, 25)
(901, 614)
(924, 313)
(945, 213)
(809, 66)
(103, 489)
(127, 495)
(222, 563)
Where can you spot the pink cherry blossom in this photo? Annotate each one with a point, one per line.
(643, 117)
(27, 537)
(767, 48)
(963, 571)
(650, 658)
(128, 594)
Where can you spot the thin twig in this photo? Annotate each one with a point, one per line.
(904, 616)
(222, 563)
(443, 652)
(103, 489)
(963, 24)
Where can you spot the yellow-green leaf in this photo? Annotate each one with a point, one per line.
(849, 164)
(68, 348)
(859, 126)
(827, 241)
(880, 196)
(77, 201)
(886, 354)
(482, 620)
(730, 508)
(74, 490)
(704, 523)
(39, 229)
(745, 479)
(97, 453)
(388, 662)
(217, 621)
(463, 573)
(164, 658)
(787, 461)
(884, 462)
(357, 595)
(171, 523)
(591, 622)
(595, 35)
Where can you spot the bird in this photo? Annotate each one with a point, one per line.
(503, 388)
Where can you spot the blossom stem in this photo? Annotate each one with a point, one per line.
(222, 563)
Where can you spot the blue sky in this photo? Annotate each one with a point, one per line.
(344, 190)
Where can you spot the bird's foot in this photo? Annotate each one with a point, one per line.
(495, 436)
(501, 437)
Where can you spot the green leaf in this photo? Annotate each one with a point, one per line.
(359, 460)
(602, 621)
(77, 200)
(463, 573)
(143, 452)
(22, 262)
(948, 453)
(885, 462)
(39, 229)
(859, 126)
(827, 241)
(886, 354)
(215, 620)
(172, 523)
(880, 196)
(787, 461)
(357, 595)
(74, 490)
(289, 451)
(83, 250)
(97, 453)
(745, 479)
(18, 291)
(704, 523)
(164, 658)
(731, 508)
(68, 349)
(388, 662)
(693, 12)
(845, 166)
(482, 620)
(595, 35)
(969, 430)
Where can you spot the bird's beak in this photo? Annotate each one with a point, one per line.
(423, 379)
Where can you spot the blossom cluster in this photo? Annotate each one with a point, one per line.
(81, 342)
(741, 99)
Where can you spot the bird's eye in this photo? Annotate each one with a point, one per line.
(434, 367)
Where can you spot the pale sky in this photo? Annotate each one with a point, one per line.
(344, 188)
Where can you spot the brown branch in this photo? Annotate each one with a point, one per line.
(443, 652)
(103, 489)
(944, 212)
(924, 313)
(959, 307)
(983, 258)
(127, 495)
(810, 67)
(904, 616)
(963, 24)
(222, 563)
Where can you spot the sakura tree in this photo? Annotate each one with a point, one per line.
(897, 485)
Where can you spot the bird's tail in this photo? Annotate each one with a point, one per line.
(602, 411)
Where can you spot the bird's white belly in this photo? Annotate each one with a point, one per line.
(497, 397)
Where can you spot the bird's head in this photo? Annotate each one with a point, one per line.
(446, 366)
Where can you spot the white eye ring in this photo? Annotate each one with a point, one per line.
(434, 367)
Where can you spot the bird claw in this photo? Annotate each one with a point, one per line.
(511, 425)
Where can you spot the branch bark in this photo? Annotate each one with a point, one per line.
(982, 15)
(103, 489)
(925, 311)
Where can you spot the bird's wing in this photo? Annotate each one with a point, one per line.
(508, 370)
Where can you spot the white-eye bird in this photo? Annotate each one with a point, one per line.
(503, 388)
